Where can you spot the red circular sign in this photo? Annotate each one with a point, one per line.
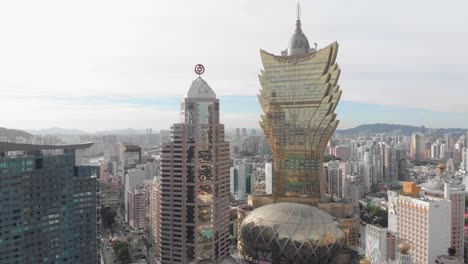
(199, 69)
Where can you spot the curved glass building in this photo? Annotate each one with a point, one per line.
(290, 233)
(299, 95)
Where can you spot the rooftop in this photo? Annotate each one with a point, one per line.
(6, 146)
(200, 89)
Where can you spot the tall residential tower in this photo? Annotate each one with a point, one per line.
(299, 95)
(193, 198)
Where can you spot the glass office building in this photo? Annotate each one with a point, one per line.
(48, 205)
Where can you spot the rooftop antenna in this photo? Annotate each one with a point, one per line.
(298, 10)
(298, 21)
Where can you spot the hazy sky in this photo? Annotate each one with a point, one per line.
(97, 65)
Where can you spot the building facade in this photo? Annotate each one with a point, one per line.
(335, 180)
(299, 95)
(421, 222)
(137, 207)
(380, 244)
(133, 178)
(456, 194)
(418, 147)
(242, 179)
(193, 200)
(49, 206)
(269, 177)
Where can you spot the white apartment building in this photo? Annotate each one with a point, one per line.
(422, 223)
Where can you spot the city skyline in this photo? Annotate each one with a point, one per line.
(77, 66)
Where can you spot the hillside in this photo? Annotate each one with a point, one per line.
(389, 128)
(56, 131)
(11, 134)
(381, 128)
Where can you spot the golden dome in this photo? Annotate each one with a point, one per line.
(365, 261)
(404, 248)
(441, 167)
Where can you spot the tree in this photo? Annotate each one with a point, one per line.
(374, 215)
(121, 251)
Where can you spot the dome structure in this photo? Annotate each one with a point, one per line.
(441, 167)
(298, 44)
(286, 233)
(200, 89)
(435, 184)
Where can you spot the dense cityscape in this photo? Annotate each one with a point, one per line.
(296, 189)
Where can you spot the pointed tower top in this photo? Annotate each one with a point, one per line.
(200, 89)
(298, 10)
(298, 44)
(298, 20)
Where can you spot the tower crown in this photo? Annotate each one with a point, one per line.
(298, 44)
(200, 89)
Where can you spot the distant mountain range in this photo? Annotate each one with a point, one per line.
(359, 130)
(56, 131)
(11, 134)
(389, 128)
(64, 131)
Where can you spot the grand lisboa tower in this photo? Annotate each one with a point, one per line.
(299, 95)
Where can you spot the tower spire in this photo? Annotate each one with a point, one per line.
(298, 20)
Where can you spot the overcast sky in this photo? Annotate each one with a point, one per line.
(96, 65)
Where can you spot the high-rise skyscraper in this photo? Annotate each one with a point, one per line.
(418, 147)
(435, 151)
(334, 179)
(394, 164)
(137, 207)
(241, 179)
(49, 206)
(193, 199)
(299, 95)
(449, 141)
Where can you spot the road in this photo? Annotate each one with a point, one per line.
(108, 255)
(109, 258)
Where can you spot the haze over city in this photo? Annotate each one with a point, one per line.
(85, 64)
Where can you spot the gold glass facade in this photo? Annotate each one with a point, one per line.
(299, 95)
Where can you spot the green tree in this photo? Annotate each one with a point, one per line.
(121, 251)
(374, 215)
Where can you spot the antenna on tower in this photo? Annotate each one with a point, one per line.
(298, 21)
(298, 10)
